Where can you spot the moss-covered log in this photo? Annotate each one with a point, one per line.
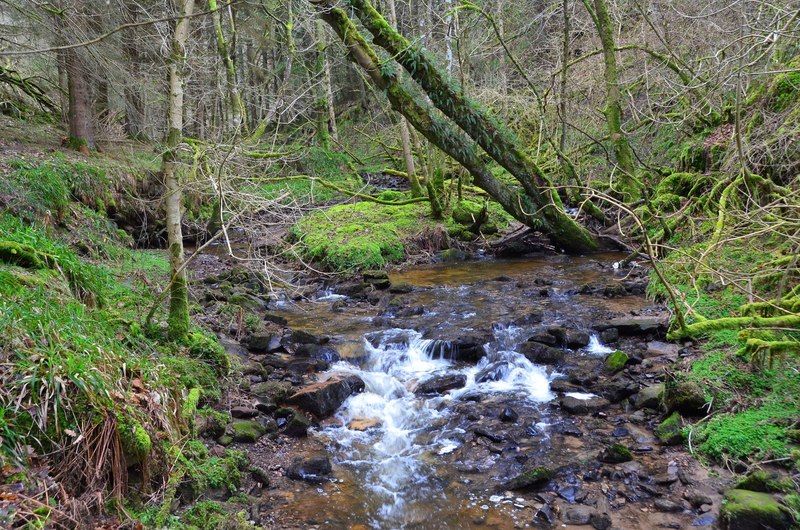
(701, 328)
(547, 217)
(539, 207)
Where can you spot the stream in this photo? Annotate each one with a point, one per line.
(453, 407)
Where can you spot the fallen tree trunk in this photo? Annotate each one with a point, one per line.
(536, 204)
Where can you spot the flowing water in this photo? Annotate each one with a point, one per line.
(398, 456)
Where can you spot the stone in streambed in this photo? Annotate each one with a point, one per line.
(296, 425)
(619, 388)
(509, 415)
(314, 469)
(669, 431)
(539, 353)
(571, 338)
(242, 412)
(750, 510)
(323, 398)
(576, 406)
(615, 454)
(615, 362)
(441, 384)
(245, 431)
(530, 479)
(263, 342)
(649, 397)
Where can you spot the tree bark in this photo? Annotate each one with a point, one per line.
(81, 128)
(405, 134)
(178, 320)
(613, 109)
(237, 110)
(324, 104)
(496, 139)
(565, 232)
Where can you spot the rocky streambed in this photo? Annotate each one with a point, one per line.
(488, 394)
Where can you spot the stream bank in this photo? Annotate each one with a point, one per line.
(484, 394)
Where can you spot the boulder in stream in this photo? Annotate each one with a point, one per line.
(314, 469)
(441, 384)
(323, 398)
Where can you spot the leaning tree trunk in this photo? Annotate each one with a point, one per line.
(613, 109)
(496, 139)
(178, 320)
(450, 139)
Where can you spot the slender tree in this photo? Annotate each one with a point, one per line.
(178, 303)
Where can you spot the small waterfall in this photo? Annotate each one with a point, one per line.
(595, 347)
(387, 431)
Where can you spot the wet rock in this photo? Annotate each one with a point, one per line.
(562, 385)
(275, 319)
(323, 398)
(276, 391)
(326, 354)
(615, 454)
(584, 377)
(667, 506)
(609, 336)
(491, 435)
(539, 353)
(441, 384)
(300, 336)
(296, 425)
(685, 397)
(242, 412)
(573, 405)
(615, 362)
(619, 388)
(544, 338)
(600, 521)
(750, 510)
(649, 397)
(571, 494)
(705, 520)
(363, 424)
(266, 406)
(571, 338)
(545, 515)
(696, 500)
(245, 431)
(467, 347)
(669, 430)
(400, 288)
(534, 317)
(353, 289)
(377, 279)
(578, 515)
(635, 326)
(263, 342)
(509, 415)
(530, 479)
(314, 469)
(658, 348)
(452, 255)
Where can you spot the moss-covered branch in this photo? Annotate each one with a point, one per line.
(702, 328)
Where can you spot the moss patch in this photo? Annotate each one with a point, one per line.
(746, 510)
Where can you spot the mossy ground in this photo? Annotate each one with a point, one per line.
(75, 356)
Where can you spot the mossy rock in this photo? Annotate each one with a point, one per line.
(765, 482)
(276, 391)
(207, 347)
(467, 212)
(452, 255)
(245, 431)
(20, 255)
(530, 479)
(649, 397)
(751, 510)
(669, 431)
(686, 397)
(616, 361)
(615, 454)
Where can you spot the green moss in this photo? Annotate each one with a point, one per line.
(616, 361)
(784, 91)
(205, 515)
(745, 510)
(669, 431)
(21, 255)
(466, 212)
(190, 405)
(246, 431)
(530, 479)
(765, 482)
(135, 441)
(207, 348)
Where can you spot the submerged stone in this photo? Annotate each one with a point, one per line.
(314, 469)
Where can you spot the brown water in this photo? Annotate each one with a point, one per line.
(410, 472)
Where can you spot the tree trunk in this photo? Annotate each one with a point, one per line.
(613, 109)
(178, 320)
(134, 103)
(236, 106)
(81, 128)
(496, 139)
(568, 234)
(405, 134)
(324, 104)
